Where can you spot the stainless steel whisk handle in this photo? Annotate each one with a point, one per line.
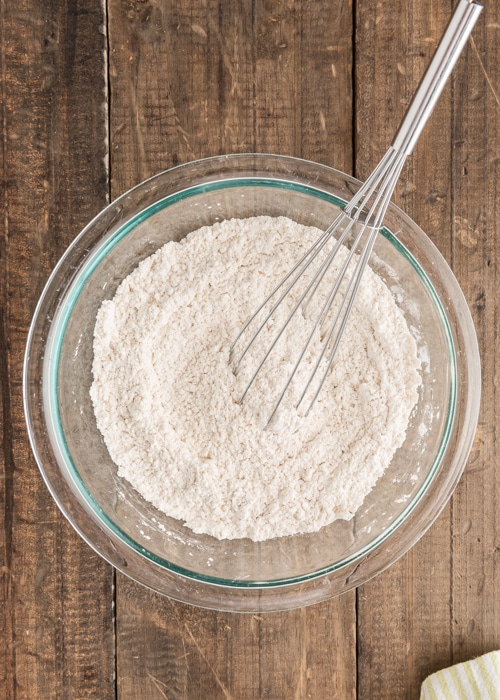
(434, 79)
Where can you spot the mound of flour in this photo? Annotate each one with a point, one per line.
(166, 399)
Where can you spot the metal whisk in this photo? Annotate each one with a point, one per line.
(359, 220)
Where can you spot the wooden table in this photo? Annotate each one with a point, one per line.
(96, 96)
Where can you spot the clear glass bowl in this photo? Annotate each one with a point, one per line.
(161, 552)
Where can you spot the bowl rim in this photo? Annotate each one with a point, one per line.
(278, 181)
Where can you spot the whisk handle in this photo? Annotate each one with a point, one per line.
(434, 79)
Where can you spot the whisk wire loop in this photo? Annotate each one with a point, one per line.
(382, 199)
(361, 219)
(349, 297)
(297, 306)
(311, 254)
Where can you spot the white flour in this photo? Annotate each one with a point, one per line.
(165, 397)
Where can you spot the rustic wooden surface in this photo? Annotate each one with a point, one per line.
(96, 96)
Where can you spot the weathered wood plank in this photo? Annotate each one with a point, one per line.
(475, 593)
(181, 85)
(185, 652)
(56, 609)
(404, 614)
(303, 67)
(194, 80)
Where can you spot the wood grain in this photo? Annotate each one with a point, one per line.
(303, 80)
(56, 636)
(184, 652)
(475, 605)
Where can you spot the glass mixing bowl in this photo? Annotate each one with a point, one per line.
(161, 552)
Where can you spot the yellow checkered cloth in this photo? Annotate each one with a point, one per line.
(478, 679)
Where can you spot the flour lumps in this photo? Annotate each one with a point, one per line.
(167, 402)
